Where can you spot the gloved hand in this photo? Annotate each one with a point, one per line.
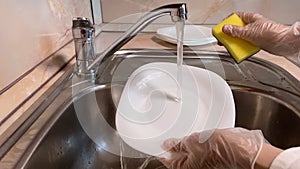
(234, 148)
(273, 37)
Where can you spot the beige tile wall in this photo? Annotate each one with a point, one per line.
(33, 29)
(207, 11)
(30, 33)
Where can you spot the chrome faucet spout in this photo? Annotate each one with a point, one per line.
(178, 12)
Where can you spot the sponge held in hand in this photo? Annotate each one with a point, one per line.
(238, 48)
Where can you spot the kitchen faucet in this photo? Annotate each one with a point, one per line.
(83, 33)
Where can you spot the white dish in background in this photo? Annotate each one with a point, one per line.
(194, 35)
(148, 112)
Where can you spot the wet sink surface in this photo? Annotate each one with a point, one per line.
(67, 146)
(266, 101)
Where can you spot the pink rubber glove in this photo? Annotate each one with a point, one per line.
(273, 37)
(225, 148)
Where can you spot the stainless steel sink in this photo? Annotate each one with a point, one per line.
(67, 146)
(267, 99)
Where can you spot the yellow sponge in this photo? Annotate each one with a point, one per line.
(238, 48)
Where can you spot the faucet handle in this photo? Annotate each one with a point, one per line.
(82, 28)
(82, 22)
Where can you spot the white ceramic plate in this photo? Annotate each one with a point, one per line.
(149, 111)
(194, 35)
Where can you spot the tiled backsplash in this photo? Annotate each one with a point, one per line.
(31, 30)
(207, 11)
(31, 34)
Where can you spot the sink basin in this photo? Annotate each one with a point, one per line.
(67, 146)
(279, 123)
(267, 101)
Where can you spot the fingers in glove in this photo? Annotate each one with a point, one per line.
(172, 145)
(233, 30)
(176, 153)
(249, 17)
